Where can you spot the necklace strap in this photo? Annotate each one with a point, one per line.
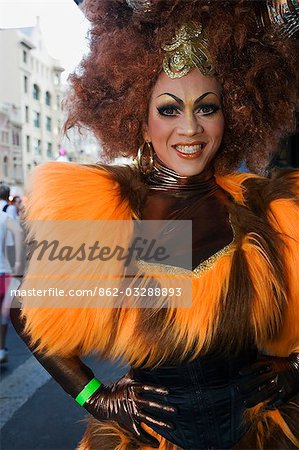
(165, 179)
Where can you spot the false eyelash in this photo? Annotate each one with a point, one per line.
(161, 109)
(213, 106)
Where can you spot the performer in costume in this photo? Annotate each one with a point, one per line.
(199, 87)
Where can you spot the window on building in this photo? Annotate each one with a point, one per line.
(4, 137)
(27, 114)
(15, 138)
(49, 150)
(28, 143)
(56, 79)
(48, 98)
(25, 84)
(14, 170)
(36, 92)
(5, 166)
(37, 146)
(58, 102)
(36, 119)
(25, 56)
(48, 123)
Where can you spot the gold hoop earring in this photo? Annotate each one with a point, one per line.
(145, 161)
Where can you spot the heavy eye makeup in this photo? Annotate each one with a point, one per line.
(171, 110)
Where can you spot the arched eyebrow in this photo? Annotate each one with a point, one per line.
(177, 99)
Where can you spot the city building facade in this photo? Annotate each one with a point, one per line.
(11, 167)
(30, 82)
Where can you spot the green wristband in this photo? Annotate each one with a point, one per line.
(87, 392)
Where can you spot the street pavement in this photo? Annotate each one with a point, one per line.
(35, 413)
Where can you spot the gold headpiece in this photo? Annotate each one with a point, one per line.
(282, 14)
(188, 49)
(141, 8)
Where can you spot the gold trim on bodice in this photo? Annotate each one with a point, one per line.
(166, 269)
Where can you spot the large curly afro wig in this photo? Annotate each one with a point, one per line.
(110, 91)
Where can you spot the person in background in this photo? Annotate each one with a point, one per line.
(18, 204)
(11, 211)
(6, 272)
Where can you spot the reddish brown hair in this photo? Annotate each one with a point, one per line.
(257, 69)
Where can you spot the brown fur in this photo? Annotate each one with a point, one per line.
(264, 433)
(131, 186)
(254, 253)
(249, 282)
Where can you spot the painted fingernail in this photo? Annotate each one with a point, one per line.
(163, 391)
(170, 409)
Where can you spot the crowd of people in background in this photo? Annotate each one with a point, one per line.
(11, 257)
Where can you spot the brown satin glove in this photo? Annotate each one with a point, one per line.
(272, 379)
(123, 402)
(70, 372)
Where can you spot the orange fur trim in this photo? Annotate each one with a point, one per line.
(164, 444)
(110, 436)
(195, 324)
(233, 184)
(266, 422)
(285, 218)
(266, 312)
(69, 191)
(94, 196)
(198, 324)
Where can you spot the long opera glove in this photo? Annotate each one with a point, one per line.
(121, 401)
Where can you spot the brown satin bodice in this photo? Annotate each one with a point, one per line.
(197, 198)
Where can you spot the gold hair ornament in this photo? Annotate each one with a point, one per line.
(188, 49)
(282, 14)
(141, 8)
(145, 161)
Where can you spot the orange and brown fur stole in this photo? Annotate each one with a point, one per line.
(255, 282)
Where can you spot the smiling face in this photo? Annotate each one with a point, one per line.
(185, 121)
